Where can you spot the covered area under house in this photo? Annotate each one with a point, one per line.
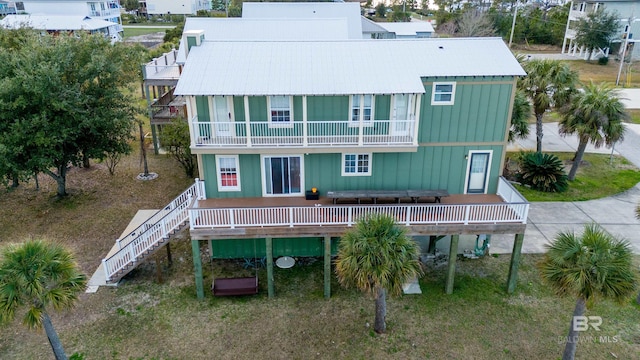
(270, 228)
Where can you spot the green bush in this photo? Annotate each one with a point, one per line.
(603, 60)
(542, 172)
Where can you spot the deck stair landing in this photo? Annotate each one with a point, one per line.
(147, 238)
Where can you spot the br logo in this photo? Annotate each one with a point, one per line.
(582, 323)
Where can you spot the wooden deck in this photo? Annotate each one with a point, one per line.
(267, 217)
(300, 201)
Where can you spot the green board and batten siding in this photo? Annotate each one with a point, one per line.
(479, 110)
(432, 167)
(255, 248)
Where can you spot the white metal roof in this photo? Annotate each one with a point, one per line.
(266, 29)
(369, 26)
(54, 22)
(307, 10)
(338, 67)
(407, 28)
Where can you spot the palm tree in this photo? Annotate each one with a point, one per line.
(377, 257)
(520, 117)
(549, 83)
(37, 275)
(596, 115)
(592, 266)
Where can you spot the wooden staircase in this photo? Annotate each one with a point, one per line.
(151, 235)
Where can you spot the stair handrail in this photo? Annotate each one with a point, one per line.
(141, 234)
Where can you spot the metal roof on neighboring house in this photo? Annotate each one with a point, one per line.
(407, 28)
(307, 10)
(266, 29)
(55, 22)
(369, 26)
(338, 67)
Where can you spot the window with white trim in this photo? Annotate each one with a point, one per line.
(356, 164)
(443, 93)
(280, 110)
(362, 109)
(228, 172)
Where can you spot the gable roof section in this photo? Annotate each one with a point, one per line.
(307, 10)
(407, 28)
(54, 22)
(338, 67)
(369, 26)
(266, 29)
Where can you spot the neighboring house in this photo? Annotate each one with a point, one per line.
(55, 24)
(407, 30)
(7, 8)
(629, 28)
(271, 120)
(168, 7)
(307, 10)
(107, 10)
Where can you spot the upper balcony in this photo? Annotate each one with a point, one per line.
(577, 14)
(301, 134)
(162, 70)
(104, 13)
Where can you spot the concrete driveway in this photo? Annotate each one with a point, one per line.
(616, 214)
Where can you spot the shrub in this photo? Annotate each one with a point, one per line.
(603, 60)
(543, 172)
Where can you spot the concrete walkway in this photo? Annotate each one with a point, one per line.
(616, 214)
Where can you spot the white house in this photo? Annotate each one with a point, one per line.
(181, 7)
(58, 23)
(107, 10)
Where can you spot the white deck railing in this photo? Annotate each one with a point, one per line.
(300, 134)
(133, 246)
(511, 196)
(163, 65)
(406, 214)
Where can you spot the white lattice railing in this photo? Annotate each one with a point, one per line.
(298, 133)
(157, 228)
(406, 214)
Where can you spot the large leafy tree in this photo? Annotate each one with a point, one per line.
(62, 101)
(548, 84)
(588, 267)
(595, 115)
(596, 30)
(36, 276)
(377, 257)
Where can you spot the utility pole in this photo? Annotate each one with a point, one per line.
(624, 50)
(513, 24)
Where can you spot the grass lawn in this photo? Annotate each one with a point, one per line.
(130, 31)
(596, 178)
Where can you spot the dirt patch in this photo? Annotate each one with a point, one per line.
(149, 41)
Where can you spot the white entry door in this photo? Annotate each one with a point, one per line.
(400, 115)
(222, 123)
(478, 172)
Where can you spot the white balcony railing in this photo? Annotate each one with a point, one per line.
(347, 215)
(576, 14)
(164, 67)
(301, 134)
